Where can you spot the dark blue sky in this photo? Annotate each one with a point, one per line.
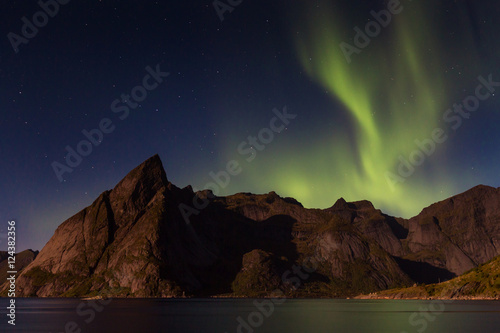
(225, 79)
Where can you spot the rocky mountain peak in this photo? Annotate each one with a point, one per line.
(148, 175)
(340, 204)
(138, 188)
(460, 232)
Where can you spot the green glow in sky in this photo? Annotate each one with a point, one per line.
(394, 96)
(393, 93)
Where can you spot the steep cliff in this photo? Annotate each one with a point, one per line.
(458, 233)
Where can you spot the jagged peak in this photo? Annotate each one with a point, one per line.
(340, 204)
(188, 188)
(150, 173)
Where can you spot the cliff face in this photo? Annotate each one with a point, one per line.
(459, 233)
(120, 242)
(134, 241)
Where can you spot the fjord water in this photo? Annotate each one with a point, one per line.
(244, 316)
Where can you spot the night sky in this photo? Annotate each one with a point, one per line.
(373, 115)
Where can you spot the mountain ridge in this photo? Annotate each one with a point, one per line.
(133, 241)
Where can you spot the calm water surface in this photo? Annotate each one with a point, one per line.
(252, 316)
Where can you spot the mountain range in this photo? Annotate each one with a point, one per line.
(148, 238)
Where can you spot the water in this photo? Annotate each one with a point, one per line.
(244, 316)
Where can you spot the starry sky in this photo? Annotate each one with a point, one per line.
(316, 100)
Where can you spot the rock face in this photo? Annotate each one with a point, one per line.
(149, 238)
(125, 241)
(458, 233)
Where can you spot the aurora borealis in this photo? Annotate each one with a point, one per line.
(355, 119)
(393, 96)
(395, 92)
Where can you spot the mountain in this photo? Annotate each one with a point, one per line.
(23, 259)
(458, 233)
(148, 238)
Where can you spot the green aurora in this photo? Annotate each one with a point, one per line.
(394, 93)
(394, 97)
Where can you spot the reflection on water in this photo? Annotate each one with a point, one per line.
(251, 316)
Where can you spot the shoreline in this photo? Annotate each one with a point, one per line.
(359, 297)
